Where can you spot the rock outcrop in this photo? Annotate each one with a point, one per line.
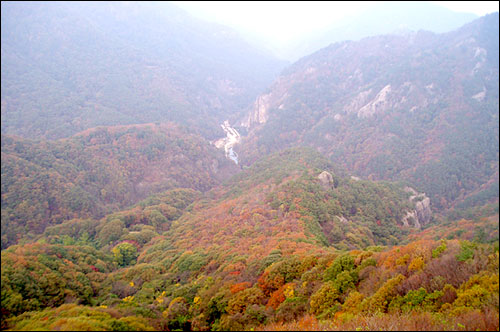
(259, 114)
(326, 179)
(422, 213)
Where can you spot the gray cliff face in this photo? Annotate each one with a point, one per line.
(421, 215)
(259, 113)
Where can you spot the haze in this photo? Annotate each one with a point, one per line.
(282, 26)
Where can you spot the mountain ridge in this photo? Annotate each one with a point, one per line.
(390, 107)
(162, 65)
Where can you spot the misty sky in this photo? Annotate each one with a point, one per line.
(280, 21)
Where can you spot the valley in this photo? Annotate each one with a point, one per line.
(158, 172)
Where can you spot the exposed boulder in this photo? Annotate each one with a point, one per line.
(326, 179)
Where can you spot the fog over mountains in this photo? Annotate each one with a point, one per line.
(160, 172)
(368, 19)
(379, 19)
(64, 64)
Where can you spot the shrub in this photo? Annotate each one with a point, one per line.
(325, 298)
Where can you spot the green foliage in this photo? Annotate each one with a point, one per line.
(342, 273)
(70, 317)
(125, 254)
(344, 281)
(289, 289)
(466, 251)
(110, 232)
(325, 300)
(327, 212)
(342, 263)
(190, 261)
(41, 275)
(439, 250)
(99, 171)
(419, 300)
(380, 301)
(478, 290)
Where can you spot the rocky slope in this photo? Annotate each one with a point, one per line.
(421, 107)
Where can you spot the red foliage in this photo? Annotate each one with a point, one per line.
(239, 287)
(277, 297)
(269, 284)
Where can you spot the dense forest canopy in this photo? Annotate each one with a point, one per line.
(361, 192)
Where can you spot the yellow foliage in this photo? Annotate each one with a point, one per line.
(403, 260)
(353, 302)
(416, 264)
(160, 299)
(477, 290)
(326, 297)
(382, 297)
(288, 291)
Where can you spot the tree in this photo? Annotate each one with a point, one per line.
(341, 263)
(325, 299)
(111, 232)
(125, 254)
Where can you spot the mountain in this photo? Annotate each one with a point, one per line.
(70, 66)
(422, 108)
(120, 212)
(387, 17)
(295, 196)
(98, 171)
(253, 252)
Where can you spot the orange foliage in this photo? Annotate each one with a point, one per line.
(239, 287)
(422, 248)
(269, 285)
(277, 297)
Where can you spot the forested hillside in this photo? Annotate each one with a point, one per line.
(275, 244)
(361, 192)
(70, 66)
(262, 251)
(421, 108)
(99, 171)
